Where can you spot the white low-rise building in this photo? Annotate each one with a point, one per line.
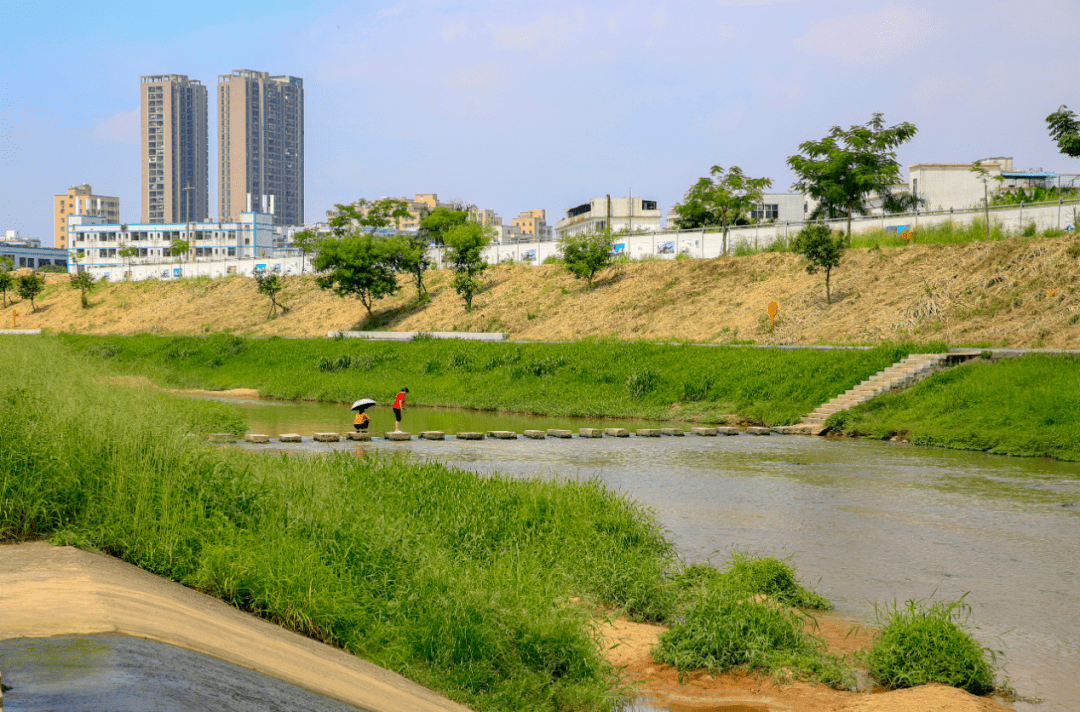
(616, 214)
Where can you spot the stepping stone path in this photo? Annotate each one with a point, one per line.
(556, 433)
(535, 434)
(289, 438)
(647, 432)
(326, 437)
(362, 437)
(433, 435)
(617, 432)
(727, 431)
(397, 436)
(257, 438)
(470, 436)
(677, 432)
(502, 434)
(706, 432)
(755, 430)
(590, 433)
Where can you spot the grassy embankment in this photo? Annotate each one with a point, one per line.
(587, 378)
(1028, 406)
(482, 587)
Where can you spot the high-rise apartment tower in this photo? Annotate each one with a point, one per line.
(175, 163)
(261, 145)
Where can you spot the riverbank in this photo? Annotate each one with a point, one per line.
(483, 587)
(1017, 292)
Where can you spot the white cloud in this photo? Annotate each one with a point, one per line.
(886, 33)
(549, 32)
(121, 127)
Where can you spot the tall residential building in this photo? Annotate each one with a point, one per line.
(261, 145)
(80, 200)
(175, 163)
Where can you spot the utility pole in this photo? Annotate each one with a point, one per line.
(187, 214)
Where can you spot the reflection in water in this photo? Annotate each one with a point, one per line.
(113, 673)
(865, 521)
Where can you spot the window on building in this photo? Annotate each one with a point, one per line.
(767, 211)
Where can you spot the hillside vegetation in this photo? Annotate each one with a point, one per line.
(1017, 292)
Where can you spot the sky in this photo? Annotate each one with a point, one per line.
(519, 105)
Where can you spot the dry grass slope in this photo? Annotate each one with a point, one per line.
(1019, 292)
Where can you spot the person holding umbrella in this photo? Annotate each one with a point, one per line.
(362, 419)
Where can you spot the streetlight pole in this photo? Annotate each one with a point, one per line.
(187, 214)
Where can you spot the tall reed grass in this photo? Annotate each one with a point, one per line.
(588, 378)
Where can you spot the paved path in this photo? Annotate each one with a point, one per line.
(47, 590)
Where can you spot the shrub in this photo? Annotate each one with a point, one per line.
(927, 641)
(641, 382)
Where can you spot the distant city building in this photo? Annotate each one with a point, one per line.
(781, 207)
(80, 200)
(94, 242)
(28, 252)
(175, 168)
(261, 149)
(418, 207)
(618, 214)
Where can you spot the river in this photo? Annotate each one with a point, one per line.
(865, 521)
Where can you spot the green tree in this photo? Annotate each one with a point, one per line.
(984, 175)
(409, 254)
(30, 286)
(369, 215)
(723, 198)
(85, 283)
(271, 285)
(1065, 130)
(126, 253)
(434, 225)
(586, 253)
(7, 279)
(466, 242)
(816, 243)
(843, 169)
(356, 265)
(179, 247)
(305, 241)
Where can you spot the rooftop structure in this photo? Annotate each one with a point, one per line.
(617, 214)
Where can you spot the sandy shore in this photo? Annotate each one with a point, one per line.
(48, 590)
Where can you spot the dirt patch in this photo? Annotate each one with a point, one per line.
(144, 382)
(1019, 292)
(627, 646)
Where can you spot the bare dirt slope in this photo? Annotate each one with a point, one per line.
(1019, 292)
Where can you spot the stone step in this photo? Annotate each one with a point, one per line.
(590, 433)
(557, 433)
(433, 435)
(617, 432)
(676, 432)
(397, 436)
(535, 434)
(757, 430)
(289, 438)
(326, 437)
(361, 436)
(647, 432)
(258, 438)
(706, 432)
(727, 431)
(469, 436)
(502, 434)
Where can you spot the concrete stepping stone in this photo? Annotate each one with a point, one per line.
(222, 438)
(556, 433)
(727, 431)
(470, 436)
(617, 432)
(326, 437)
(647, 432)
(433, 435)
(502, 434)
(676, 432)
(705, 432)
(361, 436)
(535, 434)
(289, 438)
(590, 433)
(258, 438)
(397, 436)
(756, 430)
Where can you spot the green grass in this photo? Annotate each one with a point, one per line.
(1027, 406)
(460, 581)
(600, 378)
(741, 618)
(925, 641)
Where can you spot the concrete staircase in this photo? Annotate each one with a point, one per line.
(903, 374)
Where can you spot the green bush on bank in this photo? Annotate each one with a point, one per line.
(586, 378)
(924, 642)
(1027, 406)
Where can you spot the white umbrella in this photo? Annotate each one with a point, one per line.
(362, 404)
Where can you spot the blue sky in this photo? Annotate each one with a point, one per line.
(515, 105)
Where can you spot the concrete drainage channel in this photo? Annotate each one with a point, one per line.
(583, 433)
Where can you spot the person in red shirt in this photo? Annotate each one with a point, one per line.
(399, 405)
